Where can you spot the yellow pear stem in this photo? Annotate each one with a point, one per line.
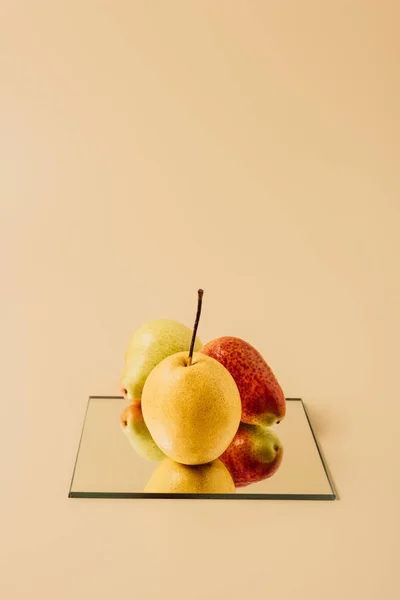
(196, 324)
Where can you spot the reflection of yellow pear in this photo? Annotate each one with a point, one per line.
(192, 410)
(171, 477)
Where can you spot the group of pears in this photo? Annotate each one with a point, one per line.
(202, 412)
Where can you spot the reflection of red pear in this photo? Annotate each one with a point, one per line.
(263, 402)
(139, 436)
(254, 454)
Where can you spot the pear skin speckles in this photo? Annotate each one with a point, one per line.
(263, 401)
(192, 412)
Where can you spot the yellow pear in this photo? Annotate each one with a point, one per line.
(171, 477)
(191, 406)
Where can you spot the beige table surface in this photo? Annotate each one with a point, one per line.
(148, 148)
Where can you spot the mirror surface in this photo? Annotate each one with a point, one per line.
(108, 467)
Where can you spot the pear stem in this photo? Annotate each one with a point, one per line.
(196, 324)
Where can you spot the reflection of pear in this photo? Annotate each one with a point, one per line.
(136, 431)
(171, 477)
(149, 345)
(255, 454)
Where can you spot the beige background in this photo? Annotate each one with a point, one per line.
(149, 148)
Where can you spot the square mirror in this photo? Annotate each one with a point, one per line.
(107, 466)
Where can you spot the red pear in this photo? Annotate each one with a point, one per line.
(254, 454)
(263, 401)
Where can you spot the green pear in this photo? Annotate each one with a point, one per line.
(149, 345)
(138, 435)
